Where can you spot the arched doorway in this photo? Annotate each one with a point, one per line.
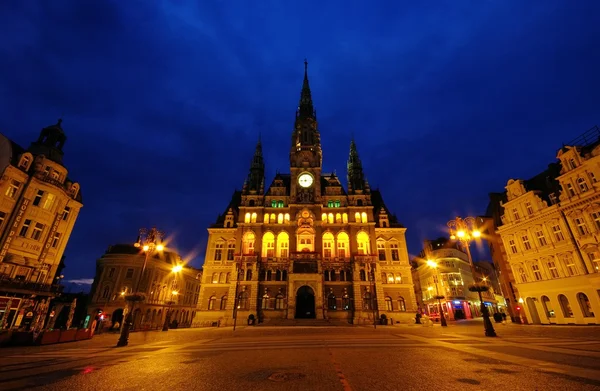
(305, 303)
(535, 317)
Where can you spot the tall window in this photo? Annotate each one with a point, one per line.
(581, 226)
(345, 218)
(593, 177)
(513, 246)
(565, 306)
(330, 218)
(253, 218)
(223, 302)
(247, 218)
(25, 228)
(395, 252)
(388, 303)
(268, 245)
(540, 238)
(13, 188)
(357, 217)
(280, 218)
(324, 217)
(529, 208)
(584, 303)
(346, 302)
(283, 244)
(230, 251)
(367, 301)
(342, 244)
(279, 302)
(558, 235)
(401, 304)
(582, 185)
(66, 212)
(570, 190)
(547, 307)
(596, 218)
(363, 242)
(338, 218)
(328, 243)
(38, 198)
(364, 217)
(515, 213)
(595, 259)
(286, 218)
(55, 239)
(570, 265)
(553, 269)
(526, 243)
(331, 302)
(211, 303)
(536, 272)
(381, 250)
(248, 243)
(218, 251)
(522, 274)
(49, 201)
(243, 301)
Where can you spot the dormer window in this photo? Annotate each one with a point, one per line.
(529, 208)
(55, 175)
(570, 190)
(593, 177)
(582, 185)
(572, 164)
(515, 214)
(25, 162)
(552, 199)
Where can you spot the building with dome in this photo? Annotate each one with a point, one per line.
(39, 205)
(305, 246)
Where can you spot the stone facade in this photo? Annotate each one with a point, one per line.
(551, 231)
(39, 205)
(306, 247)
(117, 274)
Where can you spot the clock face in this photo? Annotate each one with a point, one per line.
(305, 180)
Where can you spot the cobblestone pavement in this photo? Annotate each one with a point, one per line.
(414, 357)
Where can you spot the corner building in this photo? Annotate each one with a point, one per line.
(306, 247)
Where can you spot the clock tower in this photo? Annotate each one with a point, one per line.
(306, 156)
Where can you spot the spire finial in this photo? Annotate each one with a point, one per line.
(305, 68)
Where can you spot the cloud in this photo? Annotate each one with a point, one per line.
(81, 281)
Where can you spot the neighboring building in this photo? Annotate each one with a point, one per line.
(117, 273)
(452, 278)
(485, 273)
(38, 208)
(550, 229)
(305, 247)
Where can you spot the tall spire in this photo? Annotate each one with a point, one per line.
(305, 107)
(356, 176)
(256, 176)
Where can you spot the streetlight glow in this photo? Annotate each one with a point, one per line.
(146, 247)
(160, 247)
(431, 263)
(174, 293)
(177, 268)
(476, 234)
(460, 234)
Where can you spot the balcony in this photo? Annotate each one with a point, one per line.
(12, 285)
(46, 178)
(306, 267)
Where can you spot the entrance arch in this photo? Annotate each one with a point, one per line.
(305, 303)
(535, 317)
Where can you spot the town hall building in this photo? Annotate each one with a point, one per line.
(306, 247)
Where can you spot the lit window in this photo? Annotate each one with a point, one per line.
(66, 212)
(395, 252)
(13, 188)
(56, 239)
(49, 201)
(38, 228)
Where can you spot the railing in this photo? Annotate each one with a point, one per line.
(13, 284)
(306, 267)
(48, 179)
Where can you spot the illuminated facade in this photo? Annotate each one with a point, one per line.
(305, 247)
(551, 231)
(164, 287)
(39, 205)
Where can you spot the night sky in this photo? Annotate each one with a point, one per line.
(163, 101)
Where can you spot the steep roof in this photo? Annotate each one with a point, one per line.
(378, 204)
(234, 204)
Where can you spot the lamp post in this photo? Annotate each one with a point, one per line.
(373, 299)
(434, 265)
(465, 230)
(236, 304)
(176, 269)
(149, 241)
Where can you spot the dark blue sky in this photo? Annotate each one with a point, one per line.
(163, 101)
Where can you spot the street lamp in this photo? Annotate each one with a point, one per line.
(465, 230)
(176, 269)
(434, 265)
(150, 242)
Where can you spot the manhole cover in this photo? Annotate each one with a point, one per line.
(283, 376)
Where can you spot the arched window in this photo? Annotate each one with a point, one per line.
(367, 301)
(248, 243)
(326, 275)
(283, 244)
(251, 203)
(215, 278)
(280, 218)
(364, 217)
(337, 203)
(547, 307)
(273, 204)
(345, 218)
(227, 278)
(106, 292)
(333, 275)
(565, 306)
(280, 204)
(398, 278)
(243, 301)
(363, 242)
(584, 303)
(247, 218)
(357, 217)
(222, 278)
(268, 245)
(401, 304)
(363, 275)
(328, 245)
(338, 218)
(331, 302)
(266, 219)
(346, 302)
(284, 275)
(330, 204)
(286, 218)
(359, 202)
(342, 275)
(330, 218)
(582, 185)
(265, 301)
(279, 301)
(269, 275)
(324, 217)
(253, 217)
(388, 303)
(211, 303)
(277, 275)
(343, 243)
(381, 250)
(249, 275)
(272, 218)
